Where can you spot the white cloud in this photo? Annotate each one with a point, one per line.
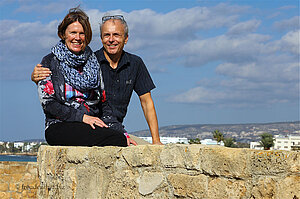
(290, 42)
(200, 95)
(244, 27)
(224, 48)
(288, 24)
(23, 45)
(270, 76)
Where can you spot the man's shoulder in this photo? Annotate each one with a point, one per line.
(133, 58)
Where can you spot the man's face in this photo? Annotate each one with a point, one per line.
(113, 37)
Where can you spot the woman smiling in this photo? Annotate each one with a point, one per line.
(73, 97)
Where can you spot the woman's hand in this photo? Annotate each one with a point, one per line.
(131, 141)
(93, 121)
(39, 73)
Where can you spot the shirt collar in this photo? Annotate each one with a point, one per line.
(122, 62)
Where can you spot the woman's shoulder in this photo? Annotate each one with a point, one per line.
(48, 57)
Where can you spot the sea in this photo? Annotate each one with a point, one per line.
(18, 158)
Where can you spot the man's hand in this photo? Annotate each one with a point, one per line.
(93, 121)
(39, 73)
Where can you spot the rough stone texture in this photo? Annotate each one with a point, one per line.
(18, 180)
(170, 171)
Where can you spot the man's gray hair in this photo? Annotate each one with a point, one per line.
(114, 17)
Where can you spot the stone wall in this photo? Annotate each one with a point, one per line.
(170, 171)
(18, 180)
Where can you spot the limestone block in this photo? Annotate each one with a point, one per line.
(268, 162)
(143, 155)
(4, 195)
(92, 182)
(176, 156)
(226, 188)
(4, 186)
(122, 184)
(104, 158)
(77, 156)
(21, 180)
(223, 161)
(289, 187)
(16, 177)
(189, 186)
(15, 195)
(293, 159)
(5, 178)
(149, 181)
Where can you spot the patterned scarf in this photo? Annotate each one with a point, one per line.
(90, 78)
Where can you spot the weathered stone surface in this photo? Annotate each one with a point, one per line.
(189, 186)
(18, 180)
(149, 181)
(170, 171)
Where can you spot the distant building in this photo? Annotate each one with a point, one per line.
(18, 144)
(256, 145)
(211, 142)
(167, 140)
(281, 142)
(286, 142)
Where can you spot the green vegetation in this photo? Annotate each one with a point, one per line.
(267, 141)
(218, 136)
(242, 145)
(194, 141)
(229, 142)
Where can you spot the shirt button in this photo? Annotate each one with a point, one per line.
(118, 80)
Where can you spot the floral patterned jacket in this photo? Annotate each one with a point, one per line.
(57, 108)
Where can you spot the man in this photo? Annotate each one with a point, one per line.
(122, 73)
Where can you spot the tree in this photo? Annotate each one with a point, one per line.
(218, 136)
(267, 141)
(242, 145)
(194, 141)
(229, 142)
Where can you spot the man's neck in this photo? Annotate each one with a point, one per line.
(113, 59)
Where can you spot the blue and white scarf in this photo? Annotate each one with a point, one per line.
(91, 76)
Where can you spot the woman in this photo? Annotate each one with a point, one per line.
(73, 96)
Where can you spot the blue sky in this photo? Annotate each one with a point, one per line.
(213, 62)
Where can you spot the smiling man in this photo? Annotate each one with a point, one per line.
(122, 73)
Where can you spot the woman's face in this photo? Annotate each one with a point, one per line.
(75, 38)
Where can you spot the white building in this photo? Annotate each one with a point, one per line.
(256, 145)
(167, 140)
(18, 144)
(211, 142)
(286, 142)
(281, 142)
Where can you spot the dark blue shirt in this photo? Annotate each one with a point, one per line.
(130, 74)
